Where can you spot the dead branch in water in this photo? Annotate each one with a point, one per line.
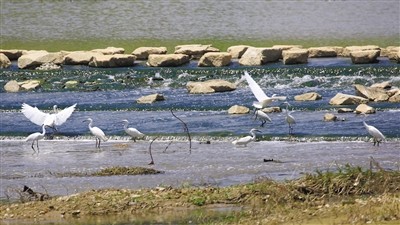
(186, 129)
(165, 150)
(151, 155)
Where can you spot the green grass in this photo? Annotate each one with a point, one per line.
(222, 44)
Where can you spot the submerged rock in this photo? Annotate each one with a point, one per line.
(150, 98)
(238, 109)
(310, 96)
(29, 84)
(330, 117)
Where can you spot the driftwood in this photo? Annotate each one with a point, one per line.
(28, 194)
(185, 129)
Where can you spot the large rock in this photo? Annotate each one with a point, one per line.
(11, 86)
(390, 52)
(117, 60)
(347, 50)
(395, 97)
(143, 53)
(4, 61)
(210, 86)
(363, 108)
(295, 56)
(238, 109)
(237, 51)
(109, 50)
(215, 59)
(31, 60)
(12, 54)
(373, 94)
(382, 85)
(80, 57)
(345, 99)
(29, 84)
(150, 98)
(195, 51)
(310, 96)
(259, 56)
(363, 57)
(318, 52)
(167, 60)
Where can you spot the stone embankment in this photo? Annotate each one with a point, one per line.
(205, 55)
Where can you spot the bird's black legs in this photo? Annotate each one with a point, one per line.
(262, 123)
(37, 145)
(99, 142)
(33, 147)
(96, 142)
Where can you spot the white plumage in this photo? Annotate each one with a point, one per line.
(245, 140)
(263, 99)
(289, 118)
(52, 120)
(262, 116)
(36, 137)
(377, 136)
(97, 132)
(133, 132)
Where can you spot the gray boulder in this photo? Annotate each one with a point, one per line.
(215, 59)
(4, 61)
(143, 53)
(167, 60)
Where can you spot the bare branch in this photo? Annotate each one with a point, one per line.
(151, 155)
(185, 129)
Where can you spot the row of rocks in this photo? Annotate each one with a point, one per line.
(206, 55)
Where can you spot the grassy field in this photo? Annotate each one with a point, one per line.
(222, 44)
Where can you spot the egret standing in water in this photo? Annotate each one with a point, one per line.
(36, 137)
(52, 120)
(97, 132)
(245, 140)
(289, 118)
(377, 136)
(263, 99)
(262, 116)
(133, 132)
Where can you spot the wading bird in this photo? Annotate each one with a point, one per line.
(97, 132)
(262, 116)
(36, 137)
(245, 140)
(133, 132)
(377, 136)
(289, 118)
(52, 120)
(263, 99)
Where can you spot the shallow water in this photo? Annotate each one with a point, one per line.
(198, 19)
(218, 163)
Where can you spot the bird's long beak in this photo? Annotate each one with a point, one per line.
(257, 130)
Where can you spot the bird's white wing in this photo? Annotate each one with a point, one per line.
(255, 88)
(280, 98)
(34, 114)
(375, 132)
(64, 114)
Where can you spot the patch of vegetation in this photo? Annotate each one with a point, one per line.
(112, 171)
(350, 195)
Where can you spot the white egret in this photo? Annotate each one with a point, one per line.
(133, 132)
(263, 99)
(245, 140)
(52, 120)
(377, 136)
(262, 116)
(36, 137)
(97, 132)
(289, 118)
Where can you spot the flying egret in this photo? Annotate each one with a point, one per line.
(52, 120)
(133, 132)
(97, 132)
(262, 116)
(377, 136)
(245, 140)
(263, 99)
(289, 118)
(36, 137)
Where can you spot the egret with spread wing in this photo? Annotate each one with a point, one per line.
(36, 137)
(245, 140)
(133, 132)
(97, 132)
(52, 120)
(263, 99)
(377, 136)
